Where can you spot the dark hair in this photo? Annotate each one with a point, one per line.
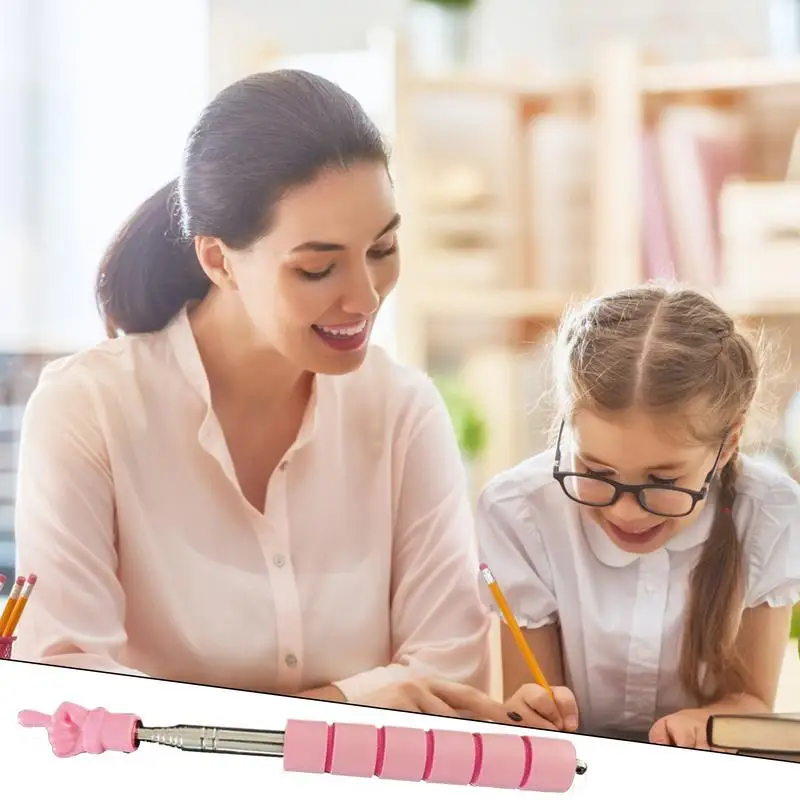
(257, 138)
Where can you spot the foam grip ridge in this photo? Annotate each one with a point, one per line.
(498, 761)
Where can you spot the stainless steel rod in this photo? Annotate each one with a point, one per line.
(236, 741)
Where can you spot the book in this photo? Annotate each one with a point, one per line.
(657, 241)
(699, 150)
(768, 735)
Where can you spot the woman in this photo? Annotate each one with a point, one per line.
(240, 491)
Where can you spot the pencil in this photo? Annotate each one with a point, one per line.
(516, 631)
(3, 580)
(19, 607)
(11, 602)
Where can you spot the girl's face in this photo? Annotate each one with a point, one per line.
(635, 448)
(311, 288)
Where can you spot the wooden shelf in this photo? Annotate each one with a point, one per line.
(522, 88)
(722, 76)
(616, 98)
(759, 307)
(485, 222)
(618, 87)
(514, 304)
(510, 304)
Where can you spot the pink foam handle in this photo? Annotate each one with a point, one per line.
(503, 762)
(305, 745)
(73, 730)
(553, 768)
(405, 753)
(499, 761)
(453, 759)
(353, 751)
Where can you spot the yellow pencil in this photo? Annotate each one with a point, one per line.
(16, 589)
(516, 631)
(19, 607)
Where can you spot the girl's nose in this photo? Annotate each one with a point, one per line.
(628, 510)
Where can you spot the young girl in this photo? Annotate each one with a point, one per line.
(652, 567)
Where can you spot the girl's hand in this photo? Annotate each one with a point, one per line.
(532, 706)
(685, 728)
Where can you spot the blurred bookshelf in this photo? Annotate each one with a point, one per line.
(520, 194)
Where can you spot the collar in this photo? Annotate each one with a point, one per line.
(609, 554)
(187, 355)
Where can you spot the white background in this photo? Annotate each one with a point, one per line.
(617, 770)
(96, 100)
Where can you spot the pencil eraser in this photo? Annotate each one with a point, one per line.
(32, 579)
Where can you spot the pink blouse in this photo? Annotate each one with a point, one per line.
(362, 571)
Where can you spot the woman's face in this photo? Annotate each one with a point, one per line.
(312, 287)
(635, 448)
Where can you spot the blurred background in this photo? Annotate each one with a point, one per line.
(543, 150)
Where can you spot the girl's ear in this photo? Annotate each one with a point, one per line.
(732, 443)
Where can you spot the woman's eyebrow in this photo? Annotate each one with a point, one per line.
(328, 247)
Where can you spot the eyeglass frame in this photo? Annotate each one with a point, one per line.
(635, 489)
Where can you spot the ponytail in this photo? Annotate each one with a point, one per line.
(149, 272)
(253, 142)
(715, 595)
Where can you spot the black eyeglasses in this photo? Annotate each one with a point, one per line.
(600, 492)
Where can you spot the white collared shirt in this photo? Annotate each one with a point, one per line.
(621, 614)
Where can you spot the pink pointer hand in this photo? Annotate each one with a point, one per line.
(73, 730)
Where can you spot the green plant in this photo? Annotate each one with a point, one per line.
(468, 421)
(459, 4)
(795, 631)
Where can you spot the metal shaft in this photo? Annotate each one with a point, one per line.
(235, 741)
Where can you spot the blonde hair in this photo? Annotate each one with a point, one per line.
(669, 351)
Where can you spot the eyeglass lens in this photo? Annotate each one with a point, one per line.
(595, 492)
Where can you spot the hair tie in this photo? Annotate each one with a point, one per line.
(726, 510)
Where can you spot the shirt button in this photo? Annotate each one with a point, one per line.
(279, 560)
(283, 466)
(291, 660)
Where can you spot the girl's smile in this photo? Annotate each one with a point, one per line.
(637, 540)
